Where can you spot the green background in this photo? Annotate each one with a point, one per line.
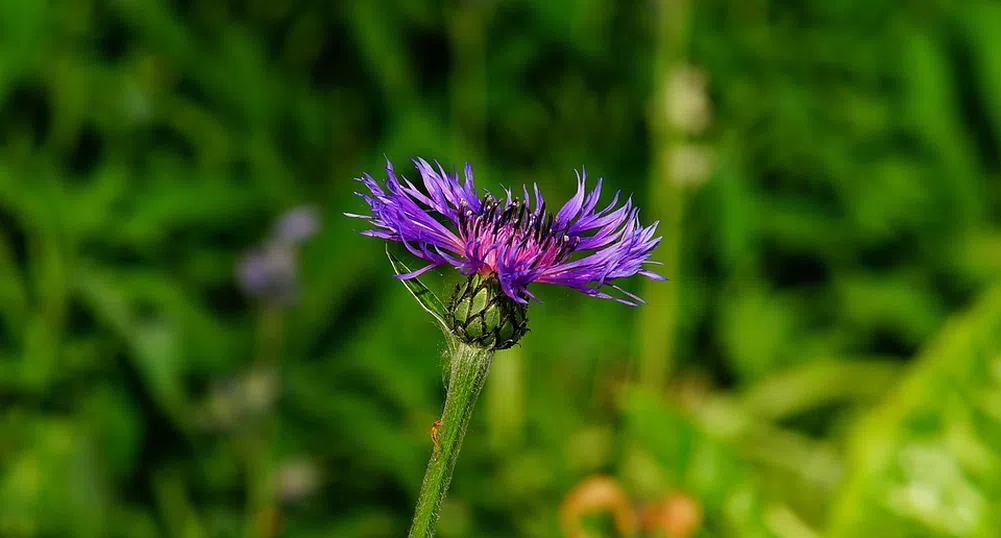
(825, 360)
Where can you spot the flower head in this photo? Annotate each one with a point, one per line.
(516, 240)
(270, 271)
(296, 225)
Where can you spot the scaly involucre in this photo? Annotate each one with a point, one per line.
(514, 239)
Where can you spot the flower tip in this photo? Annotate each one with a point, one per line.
(417, 273)
(653, 276)
(441, 169)
(422, 164)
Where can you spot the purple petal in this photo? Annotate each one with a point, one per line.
(447, 222)
(417, 273)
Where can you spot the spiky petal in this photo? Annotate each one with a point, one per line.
(516, 240)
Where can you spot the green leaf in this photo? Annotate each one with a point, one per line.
(669, 451)
(428, 300)
(927, 461)
(155, 345)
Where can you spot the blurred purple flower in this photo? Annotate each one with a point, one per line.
(297, 225)
(519, 242)
(270, 272)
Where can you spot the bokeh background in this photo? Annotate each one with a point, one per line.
(195, 342)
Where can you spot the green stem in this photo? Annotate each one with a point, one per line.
(658, 323)
(469, 368)
(259, 443)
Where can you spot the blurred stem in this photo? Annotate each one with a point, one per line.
(505, 401)
(259, 443)
(179, 514)
(467, 30)
(469, 368)
(469, 78)
(658, 320)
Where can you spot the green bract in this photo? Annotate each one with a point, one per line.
(481, 315)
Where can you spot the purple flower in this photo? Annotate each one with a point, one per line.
(270, 272)
(512, 238)
(297, 225)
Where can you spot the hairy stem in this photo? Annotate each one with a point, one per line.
(469, 367)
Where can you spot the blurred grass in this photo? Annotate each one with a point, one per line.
(822, 362)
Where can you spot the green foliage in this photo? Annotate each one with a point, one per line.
(926, 462)
(835, 341)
